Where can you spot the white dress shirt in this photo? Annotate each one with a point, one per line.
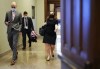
(13, 15)
(25, 23)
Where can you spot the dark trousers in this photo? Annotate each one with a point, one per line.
(13, 40)
(24, 33)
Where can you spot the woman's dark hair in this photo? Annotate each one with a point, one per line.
(51, 16)
(25, 12)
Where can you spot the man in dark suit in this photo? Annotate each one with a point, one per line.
(27, 27)
(13, 23)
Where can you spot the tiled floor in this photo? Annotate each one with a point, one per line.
(32, 58)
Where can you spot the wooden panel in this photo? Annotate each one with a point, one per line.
(94, 46)
(81, 32)
(86, 22)
(76, 26)
(81, 27)
(63, 26)
(47, 6)
(68, 22)
(55, 1)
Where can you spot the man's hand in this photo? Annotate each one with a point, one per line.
(55, 30)
(33, 33)
(7, 23)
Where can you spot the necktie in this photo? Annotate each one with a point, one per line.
(26, 23)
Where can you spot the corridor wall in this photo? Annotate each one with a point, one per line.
(22, 5)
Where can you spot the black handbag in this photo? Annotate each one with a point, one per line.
(42, 30)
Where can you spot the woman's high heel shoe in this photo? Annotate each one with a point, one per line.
(48, 58)
(52, 55)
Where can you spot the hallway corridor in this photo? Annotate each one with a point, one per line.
(31, 58)
(78, 33)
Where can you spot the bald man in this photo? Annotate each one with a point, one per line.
(13, 23)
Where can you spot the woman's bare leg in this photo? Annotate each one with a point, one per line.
(47, 49)
(52, 50)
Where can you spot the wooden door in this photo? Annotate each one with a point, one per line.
(80, 32)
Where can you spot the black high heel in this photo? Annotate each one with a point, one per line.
(52, 55)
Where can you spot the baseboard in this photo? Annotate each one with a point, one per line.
(3, 54)
(69, 63)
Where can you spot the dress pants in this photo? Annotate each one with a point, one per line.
(24, 33)
(13, 40)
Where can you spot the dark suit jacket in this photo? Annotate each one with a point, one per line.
(17, 19)
(30, 24)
